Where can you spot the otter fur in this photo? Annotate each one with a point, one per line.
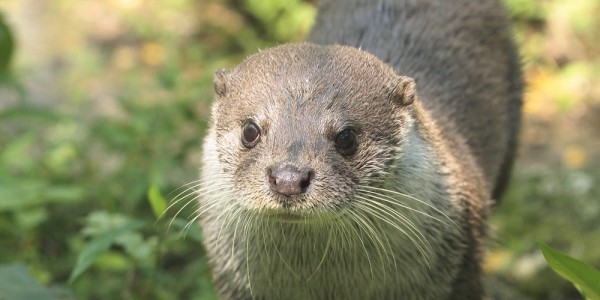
(363, 164)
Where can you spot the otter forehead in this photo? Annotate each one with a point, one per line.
(315, 62)
(306, 84)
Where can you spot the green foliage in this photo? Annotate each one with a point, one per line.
(107, 230)
(530, 10)
(283, 18)
(582, 275)
(157, 201)
(17, 284)
(7, 45)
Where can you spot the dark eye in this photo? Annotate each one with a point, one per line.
(346, 142)
(250, 134)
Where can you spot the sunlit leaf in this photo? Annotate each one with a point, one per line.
(157, 201)
(153, 54)
(582, 275)
(574, 157)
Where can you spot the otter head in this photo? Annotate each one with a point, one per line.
(299, 128)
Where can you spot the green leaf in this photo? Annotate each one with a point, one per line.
(582, 275)
(7, 45)
(17, 284)
(100, 245)
(157, 201)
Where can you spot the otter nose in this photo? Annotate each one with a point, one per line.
(289, 180)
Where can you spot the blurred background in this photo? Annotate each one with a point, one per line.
(103, 106)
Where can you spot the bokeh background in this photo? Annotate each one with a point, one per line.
(103, 106)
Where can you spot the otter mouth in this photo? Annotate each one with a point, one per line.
(289, 217)
(302, 217)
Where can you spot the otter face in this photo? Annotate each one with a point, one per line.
(299, 127)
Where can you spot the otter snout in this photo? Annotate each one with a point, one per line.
(289, 180)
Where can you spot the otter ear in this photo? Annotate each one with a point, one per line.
(220, 82)
(402, 90)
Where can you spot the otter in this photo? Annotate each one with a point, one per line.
(363, 164)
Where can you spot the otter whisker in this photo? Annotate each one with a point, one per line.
(196, 203)
(374, 235)
(186, 187)
(409, 197)
(230, 214)
(395, 202)
(356, 221)
(347, 236)
(422, 246)
(188, 225)
(235, 232)
(285, 263)
(197, 183)
(395, 215)
(351, 239)
(325, 251)
(203, 208)
(264, 250)
(181, 197)
(389, 210)
(192, 189)
(248, 220)
(219, 176)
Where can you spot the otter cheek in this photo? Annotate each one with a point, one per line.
(230, 152)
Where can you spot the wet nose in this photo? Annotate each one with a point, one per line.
(289, 180)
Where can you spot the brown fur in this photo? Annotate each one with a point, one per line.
(439, 147)
(462, 58)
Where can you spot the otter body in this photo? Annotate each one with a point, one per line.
(331, 172)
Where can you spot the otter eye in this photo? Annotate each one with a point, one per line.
(250, 134)
(346, 142)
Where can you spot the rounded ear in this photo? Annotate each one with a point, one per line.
(220, 81)
(402, 90)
